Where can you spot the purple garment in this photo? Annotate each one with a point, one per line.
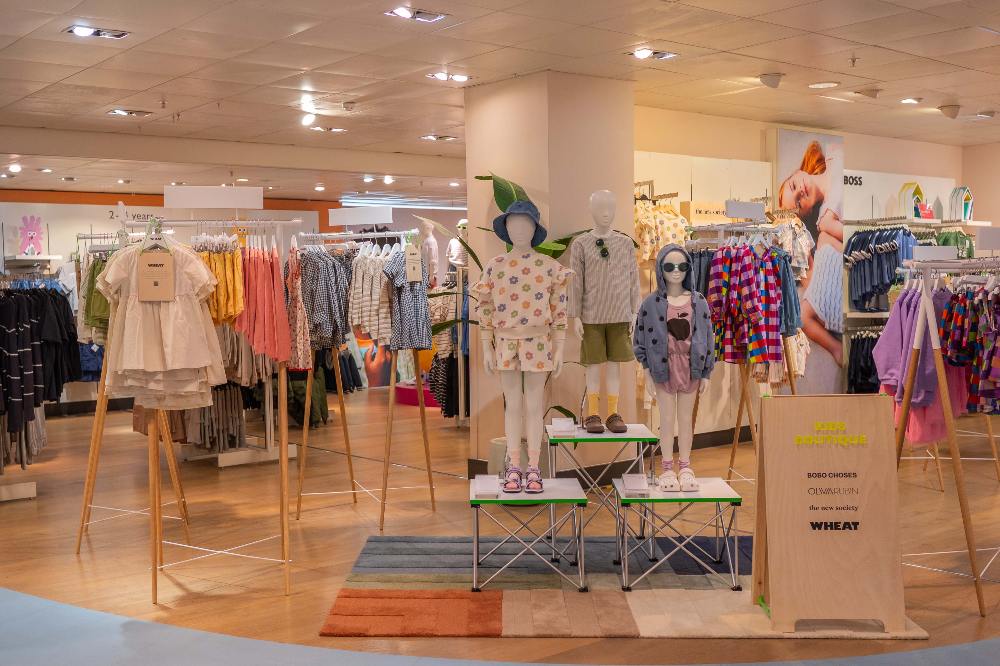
(925, 385)
(892, 351)
(885, 353)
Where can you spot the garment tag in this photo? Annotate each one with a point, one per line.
(94, 348)
(413, 270)
(156, 276)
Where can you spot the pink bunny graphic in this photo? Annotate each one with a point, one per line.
(31, 234)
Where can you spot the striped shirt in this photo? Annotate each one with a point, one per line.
(604, 290)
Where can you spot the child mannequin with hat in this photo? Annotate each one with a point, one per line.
(522, 313)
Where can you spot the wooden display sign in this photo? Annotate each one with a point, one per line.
(827, 540)
(704, 212)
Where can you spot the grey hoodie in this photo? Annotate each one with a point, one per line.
(650, 339)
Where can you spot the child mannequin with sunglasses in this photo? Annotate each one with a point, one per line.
(674, 342)
(604, 297)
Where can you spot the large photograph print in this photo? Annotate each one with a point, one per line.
(809, 179)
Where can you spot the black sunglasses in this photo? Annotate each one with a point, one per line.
(604, 250)
(670, 267)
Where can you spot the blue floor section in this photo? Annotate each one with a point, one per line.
(38, 632)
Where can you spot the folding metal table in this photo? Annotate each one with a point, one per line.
(558, 493)
(712, 490)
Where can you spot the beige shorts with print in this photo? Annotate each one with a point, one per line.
(525, 354)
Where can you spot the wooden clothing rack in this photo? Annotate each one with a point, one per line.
(927, 322)
(357, 487)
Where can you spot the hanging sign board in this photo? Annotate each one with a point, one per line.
(414, 273)
(827, 540)
(210, 196)
(156, 276)
(704, 212)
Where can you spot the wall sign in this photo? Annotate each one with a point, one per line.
(827, 540)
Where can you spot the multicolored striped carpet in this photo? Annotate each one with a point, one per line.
(407, 586)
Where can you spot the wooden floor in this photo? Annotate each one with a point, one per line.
(243, 597)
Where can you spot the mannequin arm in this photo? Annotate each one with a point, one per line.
(557, 356)
(489, 356)
(702, 385)
(578, 327)
(650, 385)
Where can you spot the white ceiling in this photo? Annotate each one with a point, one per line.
(150, 177)
(237, 69)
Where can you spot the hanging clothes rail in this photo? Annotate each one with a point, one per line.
(394, 355)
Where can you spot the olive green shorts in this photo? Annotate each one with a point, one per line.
(606, 342)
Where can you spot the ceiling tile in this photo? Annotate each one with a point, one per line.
(583, 41)
(746, 7)
(373, 66)
(580, 12)
(171, 14)
(149, 62)
(161, 103)
(269, 95)
(506, 29)
(202, 87)
(801, 49)
(864, 59)
(35, 71)
(202, 44)
(969, 12)
(987, 60)
(20, 22)
(244, 72)
(514, 61)
(945, 43)
(296, 56)
(261, 22)
(348, 36)
(321, 82)
(665, 20)
(47, 6)
(437, 50)
(897, 26)
(57, 53)
(827, 14)
(114, 78)
(905, 69)
(735, 35)
(17, 89)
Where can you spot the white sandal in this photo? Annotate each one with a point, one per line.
(668, 482)
(689, 482)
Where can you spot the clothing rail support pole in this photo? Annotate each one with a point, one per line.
(283, 471)
(175, 477)
(993, 443)
(153, 462)
(744, 379)
(930, 317)
(96, 437)
(423, 425)
(304, 446)
(388, 440)
(338, 375)
(789, 369)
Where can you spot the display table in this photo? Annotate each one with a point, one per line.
(648, 509)
(637, 433)
(565, 493)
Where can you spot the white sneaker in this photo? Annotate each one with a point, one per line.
(688, 481)
(668, 482)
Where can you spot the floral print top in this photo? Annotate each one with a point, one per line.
(521, 291)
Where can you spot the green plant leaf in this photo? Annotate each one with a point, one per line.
(447, 232)
(505, 192)
(553, 249)
(442, 326)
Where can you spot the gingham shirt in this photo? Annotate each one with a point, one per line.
(604, 290)
(411, 317)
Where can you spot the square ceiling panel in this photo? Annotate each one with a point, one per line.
(735, 35)
(348, 36)
(323, 83)
(506, 28)
(296, 56)
(945, 43)
(896, 26)
(437, 50)
(826, 14)
(261, 23)
(584, 41)
(35, 71)
(116, 78)
(203, 44)
(57, 53)
(150, 62)
(244, 72)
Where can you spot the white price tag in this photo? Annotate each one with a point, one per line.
(413, 269)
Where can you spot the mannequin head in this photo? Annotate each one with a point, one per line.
(521, 229)
(462, 227)
(674, 279)
(602, 208)
(426, 228)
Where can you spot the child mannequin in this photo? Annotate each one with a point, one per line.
(674, 342)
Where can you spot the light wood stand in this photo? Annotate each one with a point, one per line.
(927, 322)
(304, 447)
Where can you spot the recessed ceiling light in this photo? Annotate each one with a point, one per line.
(270, 187)
(444, 76)
(388, 180)
(454, 184)
(308, 119)
(129, 113)
(437, 137)
(5, 175)
(412, 14)
(90, 31)
(123, 181)
(642, 53)
(911, 100)
(369, 179)
(242, 180)
(69, 179)
(319, 128)
(459, 78)
(319, 188)
(985, 114)
(837, 99)
(823, 85)
(45, 170)
(646, 52)
(14, 168)
(440, 76)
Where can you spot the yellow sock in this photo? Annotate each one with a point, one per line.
(612, 404)
(593, 403)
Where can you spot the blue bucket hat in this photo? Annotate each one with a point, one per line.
(521, 208)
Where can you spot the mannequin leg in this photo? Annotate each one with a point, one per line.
(534, 402)
(668, 416)
(685, 424)
(593, 373)
(513, 415)
(613, 377)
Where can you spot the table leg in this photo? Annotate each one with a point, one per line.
(552, 507)
(718, 524)
(652, 534)
(475, 548)
(736, 548)
(618, 533)
(625, 586)
(580, 558)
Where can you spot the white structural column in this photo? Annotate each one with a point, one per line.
(560, 136)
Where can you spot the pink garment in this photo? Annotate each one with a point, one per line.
(925, 425)
(260, 325)
(282, 333)
(679, 330)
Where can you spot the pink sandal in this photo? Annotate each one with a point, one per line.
(533, 481)
(512, 480)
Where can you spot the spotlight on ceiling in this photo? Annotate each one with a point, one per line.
(454, 184)
(369, 179)
(422, 15)
(645, 53)
(873, 93)
(444, 76)
(69, 179)
(90, 31)
(242, 180)
(772, 79)
(14, 168)
(129, 113)
(45, 170)
(911, 100)
(985, 114)
(308, 119)
(824, 85)
(438, 137)
(123, 181)
(320, 188)
(950, 110)
(388, 180)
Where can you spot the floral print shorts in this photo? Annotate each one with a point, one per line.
(525, 354)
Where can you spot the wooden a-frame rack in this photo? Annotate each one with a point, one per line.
(394, 355)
